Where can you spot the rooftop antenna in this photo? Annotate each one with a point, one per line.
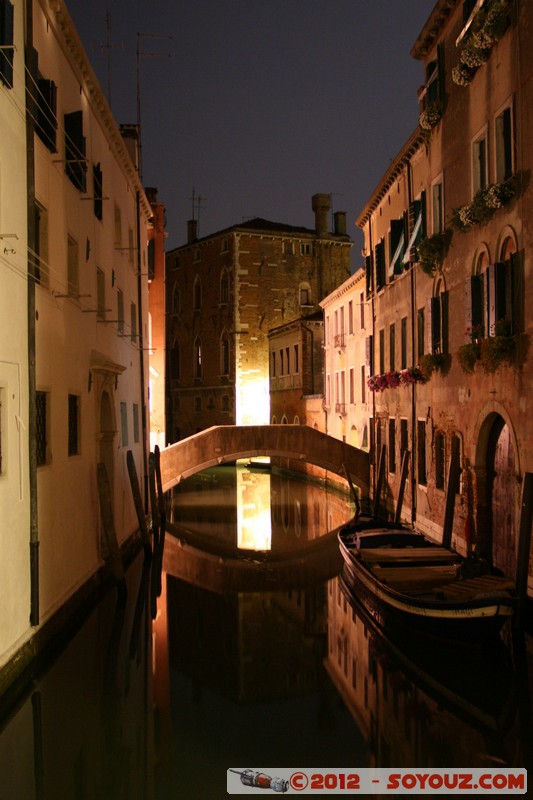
(144, 53)
(197, 206)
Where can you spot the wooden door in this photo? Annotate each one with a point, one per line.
(503, 504)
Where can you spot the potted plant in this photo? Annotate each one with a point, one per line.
(499, 348)
(430, 115)
(430, 362)
(431, 251)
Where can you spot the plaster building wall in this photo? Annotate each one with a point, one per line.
(14, 399)
(91, 310)
(465, 172)
(156, 316)
(224, 293)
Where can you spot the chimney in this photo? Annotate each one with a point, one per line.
(339, 223)
(321, 205)
(192, 231)
(130, 134)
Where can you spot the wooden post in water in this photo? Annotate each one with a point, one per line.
(159, 484)
(353, 491)
(524, 542)
(137, 500)
(381, 478)
(401, 490)
(114, 557)
(454, 471)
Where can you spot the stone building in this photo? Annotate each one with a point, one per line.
(448, 243)
(156, 320)
(224, 293)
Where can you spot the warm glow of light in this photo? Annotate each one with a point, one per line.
(252, 400)
(254, 523)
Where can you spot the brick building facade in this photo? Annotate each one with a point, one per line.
(224, 293)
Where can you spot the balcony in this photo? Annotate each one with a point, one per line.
(339, 341)
(340, 409)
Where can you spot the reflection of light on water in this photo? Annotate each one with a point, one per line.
(254, 522)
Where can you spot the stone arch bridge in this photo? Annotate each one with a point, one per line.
(226, 443)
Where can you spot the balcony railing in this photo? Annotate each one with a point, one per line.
(340, 408)
(339, 340)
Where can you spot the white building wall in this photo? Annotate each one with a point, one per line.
(14, 449)
(79, 352)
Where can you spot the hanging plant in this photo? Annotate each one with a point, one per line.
(485, 203)
(431, 251)
(430, 362)
(488, 27)
(499, 348)
(468, 355)
(473, 56)
(430, 116)
(411, 375)
(462, 75)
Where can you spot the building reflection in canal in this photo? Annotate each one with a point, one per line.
(250, 662)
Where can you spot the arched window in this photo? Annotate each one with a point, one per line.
(197, 357)
(174, 365)
(197, 294)
(273, 420)
(296, 420)
(224, 353)
(476, 297)
(224, 287)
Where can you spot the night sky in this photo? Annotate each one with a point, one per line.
(259, 104)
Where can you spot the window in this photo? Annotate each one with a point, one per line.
(73, 273)
(120, 310)
(224, 354)
(136, 423)
(437, 214)
(363, 384)
(224, 287)
(362, 310)
(197, 358)
(392, 445)
(41, 269)
(97, 191)
(305, 248)
(479, 164)
(133, 323)
(350, 316)
(369, 355)
(403, 326)
(41, 427)
(503, 134)
(100, 294)
(352, 385)
(440, 460)
(6, 43)
(273, 364)
(392, 346)
(224, 245)
(287, 248)
(456, 450)
(396, 247)
(118, 229)
(296, 359)
(75, 155)
(433, 92)
(73, 424)
(197, 294)
(197, 403)
(421, 451)
(288, 360)
(421, 331)
(305, 294)
(175, 367)
(124, 423)
(225, 402)
(176, 299)
(281, 362)
(151, 259)
(45, 113)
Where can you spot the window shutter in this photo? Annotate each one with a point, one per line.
(151, 259)
(490, 284)
(6, 40)
(76, 165)
(444, 297)
(502, 280)
(380, 265)
(431, 312)
(469, 305)
(368, 273)
(369, 355)
(46, 120)
(97, 191)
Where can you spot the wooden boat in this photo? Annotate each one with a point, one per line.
(402, 578)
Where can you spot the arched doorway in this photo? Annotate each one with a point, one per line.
(501, 500)
(107, 437)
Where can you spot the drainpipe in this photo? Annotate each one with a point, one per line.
(32, 428)
(373, 436)
(414, 432)
(141, 350)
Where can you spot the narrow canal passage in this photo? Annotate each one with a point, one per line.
(257, 657)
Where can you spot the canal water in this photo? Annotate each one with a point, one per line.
(242, 648)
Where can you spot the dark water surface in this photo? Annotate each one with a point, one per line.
(255, 657)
